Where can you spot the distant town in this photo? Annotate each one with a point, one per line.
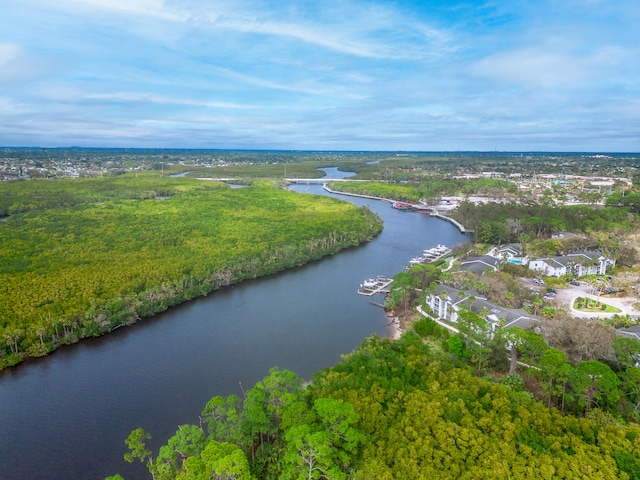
(596, 172)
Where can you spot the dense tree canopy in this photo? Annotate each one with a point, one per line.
(400, 409)
(429, 190)
(91, 255)
(503, 223)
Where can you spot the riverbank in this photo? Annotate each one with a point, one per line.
(399, 323)
(395, 327)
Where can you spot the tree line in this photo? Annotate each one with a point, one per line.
(428, 190)
(507, 222)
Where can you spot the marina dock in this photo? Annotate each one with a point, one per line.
(372, 286)
(431, 255)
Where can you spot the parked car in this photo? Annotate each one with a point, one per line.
(575, 283)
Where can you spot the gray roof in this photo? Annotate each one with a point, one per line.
(452, 293)
(556, 261)
(514, 248)
(512, 317)
(588, 254)
(633, 331)
(480, 264)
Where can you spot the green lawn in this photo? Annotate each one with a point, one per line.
(593, 306)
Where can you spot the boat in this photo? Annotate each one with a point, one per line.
(442, 249)
(430, 254)
(423, 208)
(403, 206)
(369, 284)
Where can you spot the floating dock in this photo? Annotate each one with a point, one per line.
(372, 286)
(431, 255)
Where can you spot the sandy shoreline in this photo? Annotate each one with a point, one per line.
(395, 329)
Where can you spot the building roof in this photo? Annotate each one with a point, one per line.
(452, 293)
(514, 248)
(511, 317)
(554, 262)
(633, 331)
(480, 264)
(588, 254)
(571, 259)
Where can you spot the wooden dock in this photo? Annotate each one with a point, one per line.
(380, 286)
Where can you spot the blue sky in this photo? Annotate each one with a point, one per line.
(516, 75)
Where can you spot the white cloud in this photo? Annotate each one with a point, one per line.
(320, 72)
(10, 107)
(8, 52)
(163, 100)
(376, 31)
(546, 66)
(155, 8)
(18, 65)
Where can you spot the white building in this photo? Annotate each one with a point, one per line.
(579, 264)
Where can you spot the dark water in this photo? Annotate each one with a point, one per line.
(66, 416)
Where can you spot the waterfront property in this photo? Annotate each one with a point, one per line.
(446, 303)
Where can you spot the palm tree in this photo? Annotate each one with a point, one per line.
(11, 338)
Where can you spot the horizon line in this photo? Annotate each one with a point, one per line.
(297, 150)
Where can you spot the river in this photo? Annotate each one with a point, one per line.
(66, 416)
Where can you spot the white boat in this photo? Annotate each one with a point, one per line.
(437, 251)
(369, 284)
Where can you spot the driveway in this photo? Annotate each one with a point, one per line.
(566, 296)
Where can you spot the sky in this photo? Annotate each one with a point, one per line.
(426, 75)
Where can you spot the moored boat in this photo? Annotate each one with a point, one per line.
(369, 284)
